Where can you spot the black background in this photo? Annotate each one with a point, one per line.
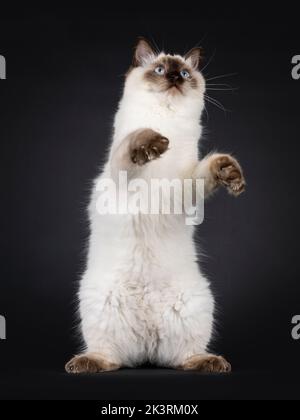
(65, 72)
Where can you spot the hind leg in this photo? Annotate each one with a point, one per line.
(207, 363)
(90, 363)
(186, 329)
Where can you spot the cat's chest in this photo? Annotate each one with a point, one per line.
(162, 118)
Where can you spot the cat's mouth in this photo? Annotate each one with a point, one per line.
(174, 88)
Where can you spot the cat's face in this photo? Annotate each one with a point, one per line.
(172, 75)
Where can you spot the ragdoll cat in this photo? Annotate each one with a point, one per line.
(143, 297)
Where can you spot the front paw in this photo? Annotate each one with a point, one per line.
(227, 172)
(148, 146)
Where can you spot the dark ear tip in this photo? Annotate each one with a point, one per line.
(201, 54)
(199, 50)
(197, 55)
(142, 46)
(142, 39)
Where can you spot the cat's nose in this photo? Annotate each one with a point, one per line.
(173, 77)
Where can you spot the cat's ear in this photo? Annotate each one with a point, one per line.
(143, 53)
(194, 57)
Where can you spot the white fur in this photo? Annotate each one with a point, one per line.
(143, 297)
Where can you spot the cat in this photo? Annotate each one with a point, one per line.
(143, 297)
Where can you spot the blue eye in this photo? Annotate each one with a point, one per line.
(160, 70)
(185, 74)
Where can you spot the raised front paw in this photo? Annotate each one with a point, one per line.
(147, 146)
(227, 172)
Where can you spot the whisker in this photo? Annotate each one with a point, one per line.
(224, 89)
(217, 106)
(216, 103)
(157, 50)
(207, 114)
(209, 61)
(222, 76)
(219, 84)
(197, 45)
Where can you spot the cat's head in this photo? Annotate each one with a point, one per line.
(171, 75)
